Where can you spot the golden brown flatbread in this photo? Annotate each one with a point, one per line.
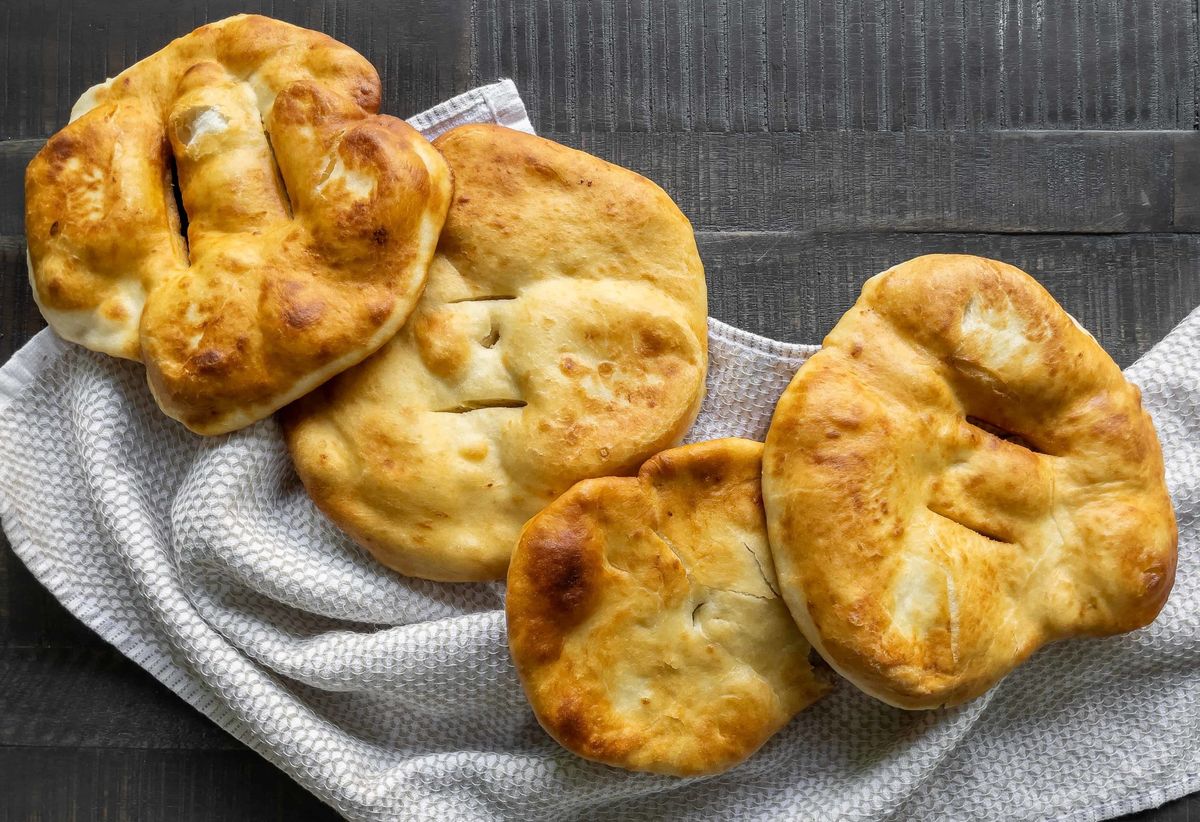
(644, 619)
(311, 219)
(562, 335)
(958, 477)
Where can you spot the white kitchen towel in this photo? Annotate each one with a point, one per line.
(392, 698)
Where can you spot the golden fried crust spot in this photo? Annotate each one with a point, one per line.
(312, 220)
(643, 617)
(958, 477)
(561, 335)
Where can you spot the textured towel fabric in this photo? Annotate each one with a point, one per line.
(204, 562)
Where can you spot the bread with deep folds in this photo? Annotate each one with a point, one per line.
(311, 219)
(644, 619)
(561, 335)
(959, 476)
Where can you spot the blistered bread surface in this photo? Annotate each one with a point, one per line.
(561, 335)
(959, 476)
(644, 617)
(311, 220)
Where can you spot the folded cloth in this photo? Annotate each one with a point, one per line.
(391, 698)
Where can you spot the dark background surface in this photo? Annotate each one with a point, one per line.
(811, 143)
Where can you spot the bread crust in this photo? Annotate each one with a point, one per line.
(561, 335)
(312, 219)
(643, 617)
(958, 477)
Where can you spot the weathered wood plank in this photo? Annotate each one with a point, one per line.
(82, 785)
(19, 317)
(94, 698)
(1187, 184)
(1185, 809)
(851, 64)
(1128, 290)
(1011, 181)
(30, 616)
(744, 65)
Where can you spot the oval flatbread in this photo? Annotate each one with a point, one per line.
(561, 335)
(644, 621)
(958, 477)
(311, 219)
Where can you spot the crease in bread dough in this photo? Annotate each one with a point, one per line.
(1001, 434)
(176, 213)
(951, 612)
(479, 405)
(486, 298)
(280, 183)
(694, 583)
(762, 573)
(933, 509)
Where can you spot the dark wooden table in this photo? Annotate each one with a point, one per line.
(811, 143)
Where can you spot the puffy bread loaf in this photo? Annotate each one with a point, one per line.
(958, 477)
(311, 219)
(644, 619)
(562, 335)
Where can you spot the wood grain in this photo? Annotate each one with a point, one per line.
(642, 65)
(849, 64)
(19, 316)
(140, 713)
(31, 618)
(1011, 181)
(87, 784)
(1185, 809)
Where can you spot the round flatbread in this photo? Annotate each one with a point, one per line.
(561, 335)
(958, 477)
(311, 219)
(644, 621)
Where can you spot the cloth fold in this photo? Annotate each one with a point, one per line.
(391, 698)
